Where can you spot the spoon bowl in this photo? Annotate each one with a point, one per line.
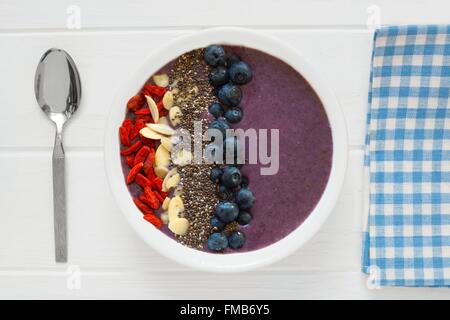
(57, 84)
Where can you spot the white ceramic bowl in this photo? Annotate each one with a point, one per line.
(236, 261)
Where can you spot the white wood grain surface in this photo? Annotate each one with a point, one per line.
(114, 40)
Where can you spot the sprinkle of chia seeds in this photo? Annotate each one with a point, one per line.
(195, 94)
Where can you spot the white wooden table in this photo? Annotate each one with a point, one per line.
(114, 39)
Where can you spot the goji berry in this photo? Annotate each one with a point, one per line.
(144, 209)
(127, 123)
(163, 194)
(133, 172)
(131, 149)
(160, 105)
(136, 102)
(130, 161)
(124, 136)
(157, 183)
(142, 198)
(159, 197)
(141, 155)
(148, 164)
(154, 91)
(146, 119)
(150, 173)
(143, 112)
(163, 113)
(154, 220)
(148, 142)
(142, 180)
(136, 128)
(152, 200)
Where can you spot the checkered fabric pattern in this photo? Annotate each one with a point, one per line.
(407, 241)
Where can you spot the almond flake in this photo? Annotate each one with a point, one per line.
(153, 108)
(168, 100)
(161, 80)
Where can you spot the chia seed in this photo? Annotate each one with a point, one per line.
(195, 94)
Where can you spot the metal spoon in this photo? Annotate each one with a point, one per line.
(58, 92)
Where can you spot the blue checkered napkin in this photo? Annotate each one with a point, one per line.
(407, 241)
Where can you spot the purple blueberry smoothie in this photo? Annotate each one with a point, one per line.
(278, 97)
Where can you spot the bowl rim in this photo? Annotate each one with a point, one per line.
(232, 262)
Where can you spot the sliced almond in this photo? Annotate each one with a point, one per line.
(165, 204)
(179, 226)
(176, 202)
(166, 143)
(164, 217)
(182, 157)
(175, 115)
(161, 80)
(172, 182)
(175, 207)
(161, 128)
(150, 134)
(173, 213)
(163, 120)
(153, 108)
(162, 157)
(168, 100)
(161, 171)
(169, 175)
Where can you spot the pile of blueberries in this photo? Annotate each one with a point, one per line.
(227, 74)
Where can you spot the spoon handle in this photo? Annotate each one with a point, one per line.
(59, 198)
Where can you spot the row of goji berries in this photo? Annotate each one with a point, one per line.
(139, 153)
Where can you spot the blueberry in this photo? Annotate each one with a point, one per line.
(216, 109)
(216, 223)
(214, 55)
(217, 242)
(244, 181)
(240, 73)
(218, 76)
(245, 199)
(244, 218)
(236, 240)
(220, 124)
(231, 177)
(230, 95)
(232, 58)
(216, 174)
(234, 115)
(224, 193)
(227, 211)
